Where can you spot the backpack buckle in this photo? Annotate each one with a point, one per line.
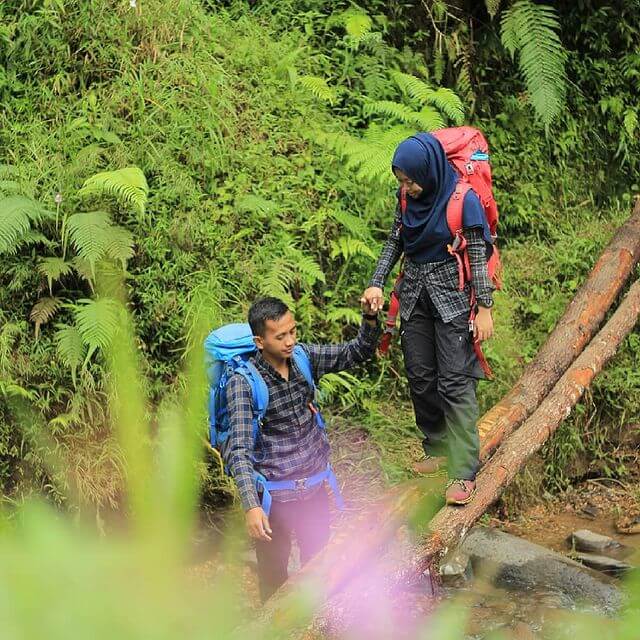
(469, 168)
(300, 484)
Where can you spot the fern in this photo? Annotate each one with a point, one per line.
(128, 185)
(348, 247)
(347, 315)
(256, 204)
(530, 30)
(319, 88)
(443, 99)
(630, 122)
(492, 7)
(17, 213)
(69, 347)
(97, 322)
(94, 238)
(43, 311)
(426, 120)
(54, 269)
(355, 225)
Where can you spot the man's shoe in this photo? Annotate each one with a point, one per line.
(430, 464)
(460, 491)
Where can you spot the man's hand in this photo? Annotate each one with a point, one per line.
(483, 327)
(258, 524)
(372, 300)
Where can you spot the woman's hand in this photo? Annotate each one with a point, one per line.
(372, 299)
(483, 326)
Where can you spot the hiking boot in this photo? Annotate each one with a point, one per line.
(460, 491)
(430, 464)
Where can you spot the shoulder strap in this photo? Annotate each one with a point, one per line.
(259, 389)
(303, 363)
(455, 207)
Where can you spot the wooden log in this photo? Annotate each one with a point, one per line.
(338, 564)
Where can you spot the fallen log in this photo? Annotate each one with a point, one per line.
(339, 563)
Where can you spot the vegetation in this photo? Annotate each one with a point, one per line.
(215, 153)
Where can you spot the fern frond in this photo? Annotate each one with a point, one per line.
(8, 171)
(493, 7)
(17, 213)
(413, 87)
(119, 245)
(347, 315)
(319, 88)
(348, 247)
(449, 103)
(8, 187)
(355, 225)
(97, 322)
(12, 390)
(53, 269)
(129, 185)
(357, 23)
(69, 347)
(256, 204)
(308, 267)
(531, 30)
(43, 311)
(278, 280)
(94, 237)
(630, 122)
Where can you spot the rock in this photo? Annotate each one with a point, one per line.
(629, 525)
(585, 540)
(607, 565)
(517, 563)
(590, 511)
(456, 569)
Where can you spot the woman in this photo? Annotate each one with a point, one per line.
(437, 342)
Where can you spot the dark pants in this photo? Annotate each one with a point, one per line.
(442, 369)
(305, 520)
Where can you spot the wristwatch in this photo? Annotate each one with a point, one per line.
(487, 303)
(370, 316)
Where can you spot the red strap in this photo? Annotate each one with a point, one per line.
(455, 205)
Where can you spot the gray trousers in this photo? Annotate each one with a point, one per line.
(442, 369)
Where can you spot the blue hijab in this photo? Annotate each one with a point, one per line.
(425, 232)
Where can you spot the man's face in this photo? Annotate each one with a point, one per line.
(279, 337)
(411, 187)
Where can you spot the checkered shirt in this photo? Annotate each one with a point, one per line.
(290, 445)
(439, 278)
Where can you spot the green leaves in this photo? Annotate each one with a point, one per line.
(70, 347)
(17, 213)
(43, 311)
(319, 88)
(530, 30)
(54, 269)
(128, 185)
(97, 322)
(94, 237)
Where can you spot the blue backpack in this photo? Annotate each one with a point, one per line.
(228, 350)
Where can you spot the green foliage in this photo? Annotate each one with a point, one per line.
(128, 185)
(43, 311)
(17, 214)
(531, 30)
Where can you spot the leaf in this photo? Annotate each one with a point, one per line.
(253, 203)
(319, 88)
(357, 23)
(54, 269)
(128, 185)
(492, 7)
(97, 322)
(43, 311)
(94, 238)
(348, 247)
(630, 122)
(69, 347)
(531, 31)
(345, 314)
(17, 213)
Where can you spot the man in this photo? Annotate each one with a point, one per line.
(291, 445)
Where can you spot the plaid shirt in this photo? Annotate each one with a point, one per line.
(439, 278)
(290, 445)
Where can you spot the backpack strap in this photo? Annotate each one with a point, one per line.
(301, 358)
(259, 391)
(303, 363)
(455, 207)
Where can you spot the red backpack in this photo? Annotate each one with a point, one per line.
(467, 150)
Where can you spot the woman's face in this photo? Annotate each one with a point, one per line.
(411, 187)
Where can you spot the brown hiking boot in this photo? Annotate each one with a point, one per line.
(460, 491)
(430, 464)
